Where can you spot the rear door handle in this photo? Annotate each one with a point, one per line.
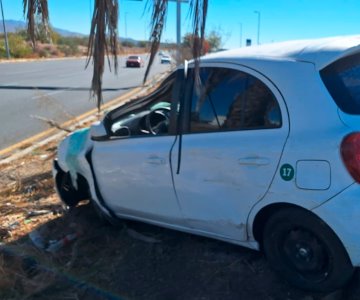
(254, 161)
(155, 160)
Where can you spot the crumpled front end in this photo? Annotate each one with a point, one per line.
(71, 170)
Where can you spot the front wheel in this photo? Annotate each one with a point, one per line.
(67, 192)
(305, 251)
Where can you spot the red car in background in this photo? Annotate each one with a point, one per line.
(134, 61)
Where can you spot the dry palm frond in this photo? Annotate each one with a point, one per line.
(34, 8)
(157, 25)
(103, 40)
(199, 13)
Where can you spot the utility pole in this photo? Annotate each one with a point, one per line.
(178, 29)
(5, 33)
(258, 31)
(178, 23)
(126, 13)
(240, 24)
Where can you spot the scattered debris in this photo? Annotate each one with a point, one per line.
(51, 123)
(138, 236)
(4, 233)
(30, 189)
(37, 239)
(56, 245)
(36, 213)
(336, 295)
(14, 225)
(53, 245)
(44, 157)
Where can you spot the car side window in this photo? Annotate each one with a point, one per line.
(148, 116)
(228, 99)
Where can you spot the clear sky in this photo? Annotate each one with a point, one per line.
(279, 19)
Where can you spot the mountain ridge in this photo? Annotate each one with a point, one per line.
(13, 26)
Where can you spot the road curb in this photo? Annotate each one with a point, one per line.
(30, 144)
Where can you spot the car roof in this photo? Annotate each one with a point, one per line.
(320, 52)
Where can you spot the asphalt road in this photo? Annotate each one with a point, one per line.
(57, 90)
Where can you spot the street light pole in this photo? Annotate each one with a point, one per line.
(178, 28)
(5, 33)
(240, 24)
(258, 33)
(126, 25)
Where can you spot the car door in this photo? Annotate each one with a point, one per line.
(134, 174)
(236, 130)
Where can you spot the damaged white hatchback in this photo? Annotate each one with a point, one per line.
(263, 152)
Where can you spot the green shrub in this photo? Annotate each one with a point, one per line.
(18, 47)
(69, 50)
(43, 53)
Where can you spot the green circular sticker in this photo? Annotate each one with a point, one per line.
(287, 172)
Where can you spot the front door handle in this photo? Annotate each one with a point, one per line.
(155, 160)
(254, 161)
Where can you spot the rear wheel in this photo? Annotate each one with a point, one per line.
(305, 251)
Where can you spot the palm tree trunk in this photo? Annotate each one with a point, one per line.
(31, 9)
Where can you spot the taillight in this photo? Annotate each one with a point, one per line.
(350, 153)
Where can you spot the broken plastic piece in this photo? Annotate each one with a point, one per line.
(38, 213)
(55, 246)
(136, 235)
(14, 225)
(37, 239)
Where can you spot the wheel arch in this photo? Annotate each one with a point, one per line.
(82, 193)
(263, 216)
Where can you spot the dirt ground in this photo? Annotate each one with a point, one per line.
(127, 261)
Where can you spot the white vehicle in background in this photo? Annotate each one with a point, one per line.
(165, 59)
(264, 153)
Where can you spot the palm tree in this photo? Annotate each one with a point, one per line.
(103, 39)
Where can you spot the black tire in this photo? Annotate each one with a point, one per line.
(305, 251)
(68, 194)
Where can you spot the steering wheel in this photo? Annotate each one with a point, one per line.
(158, 121)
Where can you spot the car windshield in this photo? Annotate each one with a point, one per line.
(342, 79)
(133, 57)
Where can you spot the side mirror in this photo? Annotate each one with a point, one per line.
(98, 132)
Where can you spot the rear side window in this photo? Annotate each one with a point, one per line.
(342, 79)
(232, 100)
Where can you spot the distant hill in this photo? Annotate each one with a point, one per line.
(13, 26)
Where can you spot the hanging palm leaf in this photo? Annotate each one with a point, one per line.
(34, 8)
(158, 20)
(199, 13)
(103, 40)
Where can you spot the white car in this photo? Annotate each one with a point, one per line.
(165, 59)
(264, 152)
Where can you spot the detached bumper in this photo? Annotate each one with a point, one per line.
(342, 214)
